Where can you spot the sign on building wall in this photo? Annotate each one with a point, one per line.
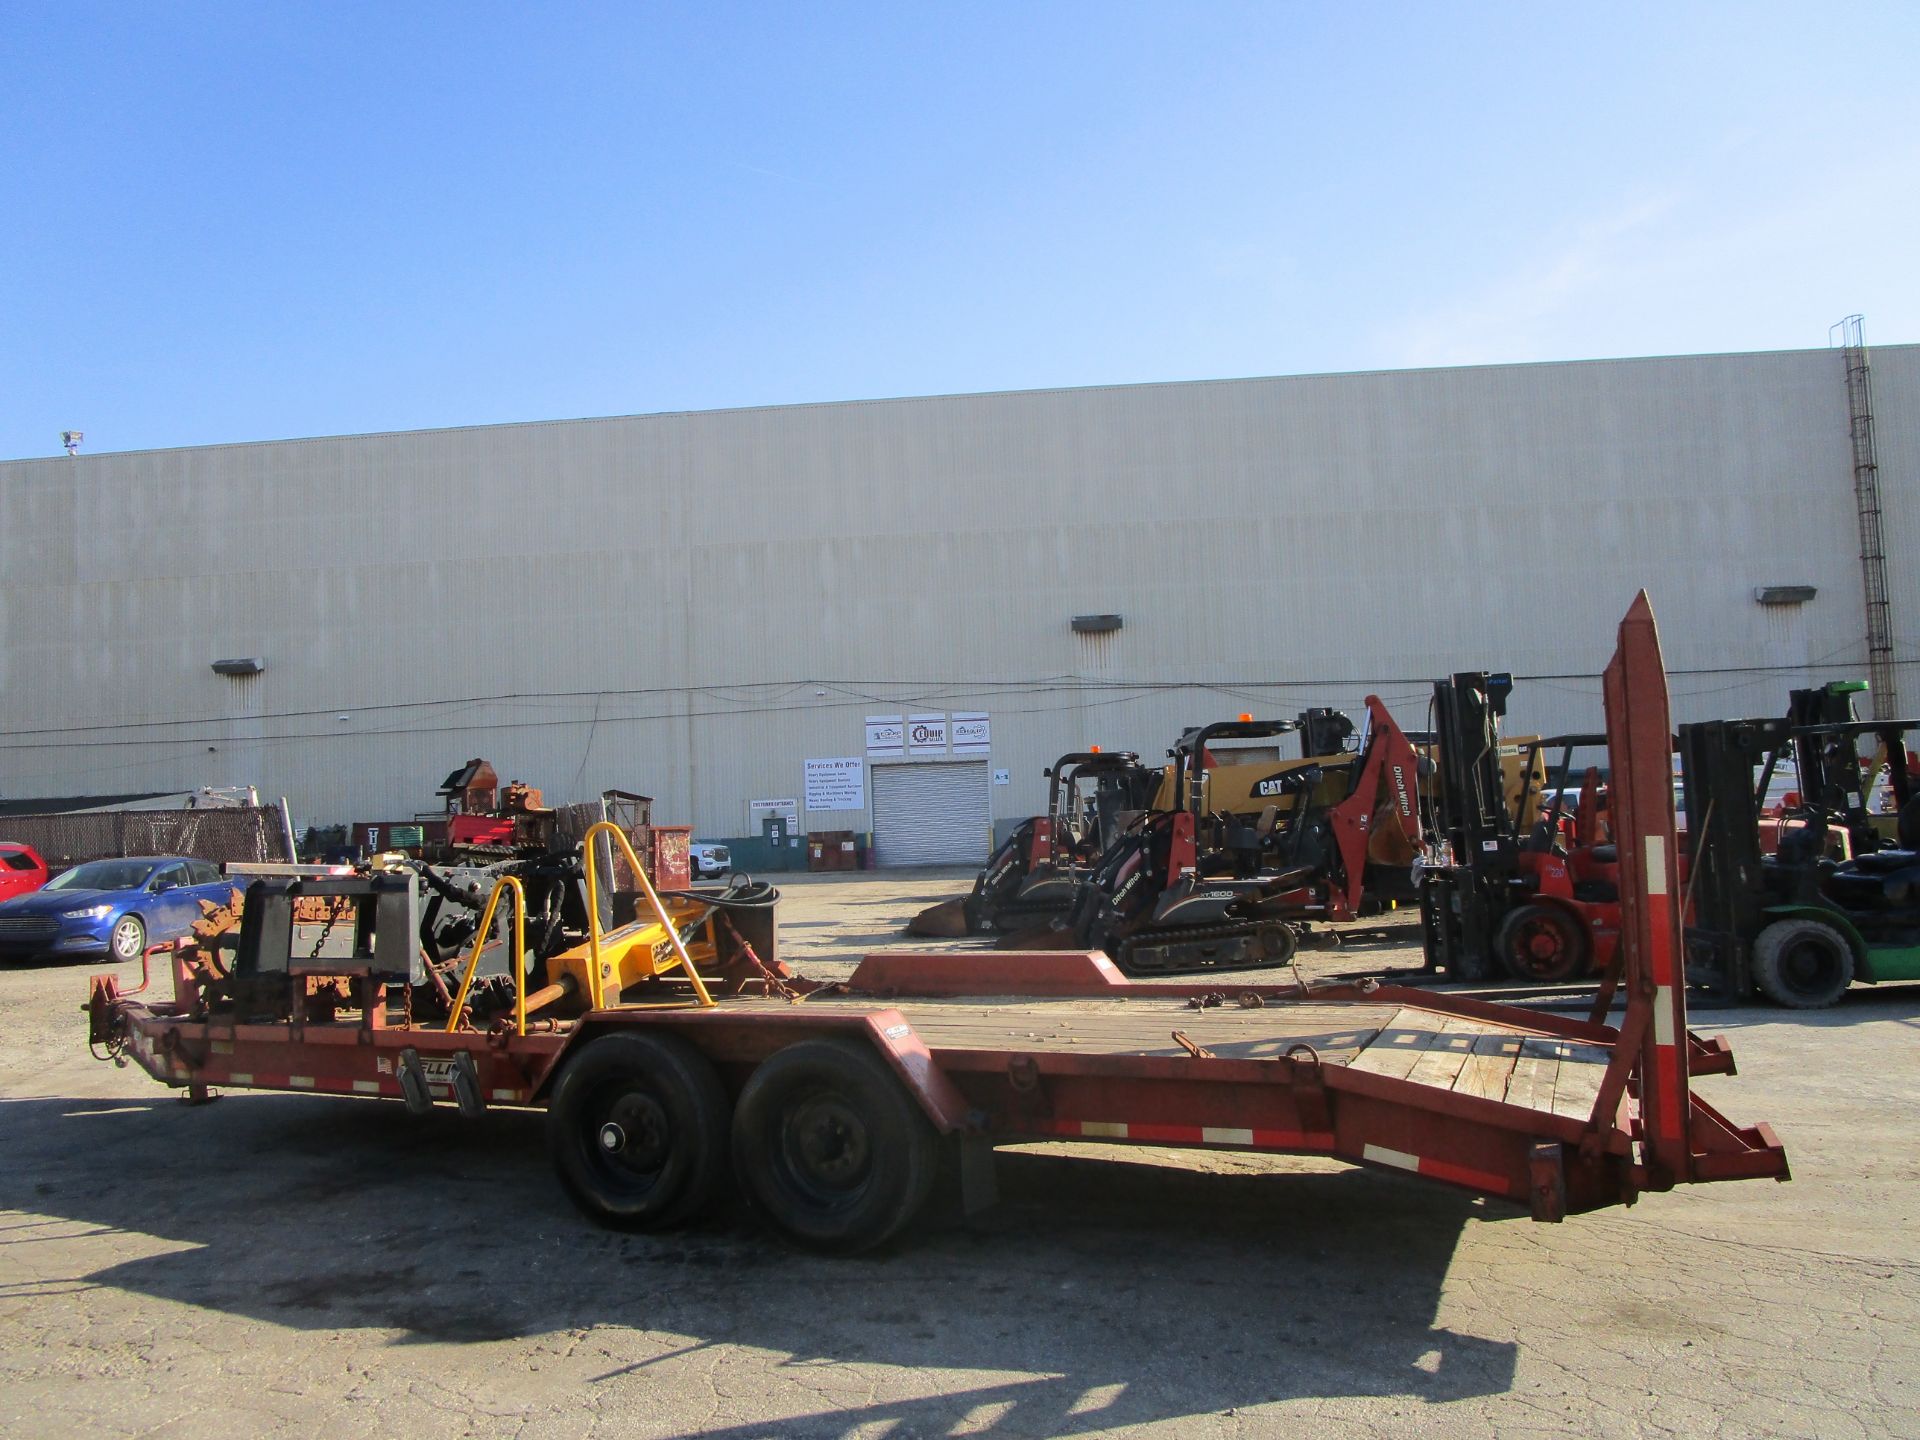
(837, 784)
(926, 734)
(972, 733)
(886, 735)
(1003, 777)
(758, 810)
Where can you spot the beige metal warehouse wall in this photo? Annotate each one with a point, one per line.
(657, 602)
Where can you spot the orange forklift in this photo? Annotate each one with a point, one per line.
(1519, 889)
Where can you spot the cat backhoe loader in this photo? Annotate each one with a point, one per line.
(1223, 878)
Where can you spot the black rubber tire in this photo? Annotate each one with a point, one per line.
(1802, 964)
(1543, 944)
(637, 1128)
(128, 938)
(831, 1147)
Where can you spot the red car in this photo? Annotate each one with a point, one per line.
(21, 869)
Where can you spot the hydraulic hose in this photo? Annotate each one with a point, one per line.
(743, 892)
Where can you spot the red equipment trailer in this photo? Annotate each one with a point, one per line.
(833, 1105)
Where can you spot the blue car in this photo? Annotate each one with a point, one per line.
(112, 907)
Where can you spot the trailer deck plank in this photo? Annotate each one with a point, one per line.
(1399, 1044)
(1577, 1071)
(1531, 1084)
(1487, 1068)
(1582, 1067)
(1443, 1061)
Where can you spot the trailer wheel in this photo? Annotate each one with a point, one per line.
(637, 1128)
(1542, 943)
(1802, 964)
(831, 1146)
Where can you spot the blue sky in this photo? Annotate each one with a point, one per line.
(241, 222)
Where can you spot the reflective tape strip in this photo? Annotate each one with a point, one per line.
(1399, 1159)
(1440, 1170)
(300, 1082)
(240, 1077)
(1466, 1175)
(366, 1087)
(1147, 1132)
(1656, 865)
(503, 1094)
(222, 1047)
(1663, 1015)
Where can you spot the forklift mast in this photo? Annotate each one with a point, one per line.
(1835, 783)
(1726, 879)
(1461, 913)
(1466, 717)
(1828, 759)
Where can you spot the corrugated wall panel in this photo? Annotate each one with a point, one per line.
(691, 605)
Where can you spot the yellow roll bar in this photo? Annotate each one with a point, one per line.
(595, 982)
(519, 962)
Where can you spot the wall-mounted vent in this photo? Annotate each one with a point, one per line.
(245, 665)
(1784, 594)
(1095, 624)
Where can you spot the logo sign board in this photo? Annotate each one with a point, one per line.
(926, 734)
(972, 733)
(886, 735)
(758, 810)
(837, 784)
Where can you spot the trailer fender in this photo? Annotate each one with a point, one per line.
(887, 1031)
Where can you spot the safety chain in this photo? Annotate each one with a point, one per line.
(333, 914)
(772, 983)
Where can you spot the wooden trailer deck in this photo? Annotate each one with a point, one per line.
(1451, 1052)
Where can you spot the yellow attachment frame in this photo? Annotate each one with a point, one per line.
(595, 974)
(519, 960)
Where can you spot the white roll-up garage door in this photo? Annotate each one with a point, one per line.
(931, 814)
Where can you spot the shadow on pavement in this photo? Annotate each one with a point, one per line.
(21, 960)
(1120, 1291)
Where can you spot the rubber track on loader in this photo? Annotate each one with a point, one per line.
(1184, 935)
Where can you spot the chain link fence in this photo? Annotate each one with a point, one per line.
(253, 834)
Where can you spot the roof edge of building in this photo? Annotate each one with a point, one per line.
(938, 396)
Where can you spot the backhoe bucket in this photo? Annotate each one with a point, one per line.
(944, 921)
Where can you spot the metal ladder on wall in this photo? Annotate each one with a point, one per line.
(1851, 335)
